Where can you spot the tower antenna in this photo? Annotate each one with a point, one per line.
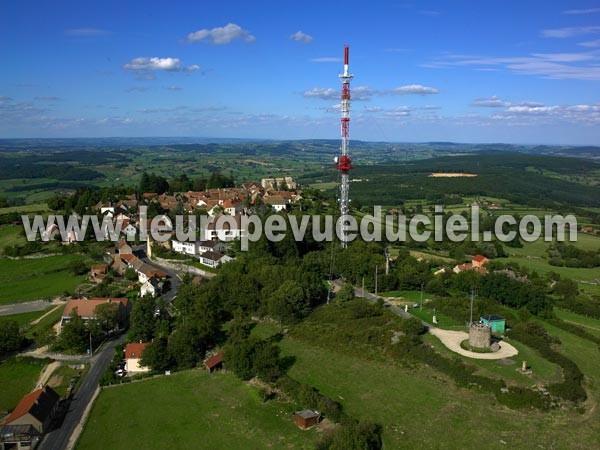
(344, 163)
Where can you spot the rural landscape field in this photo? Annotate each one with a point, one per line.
(300, 226)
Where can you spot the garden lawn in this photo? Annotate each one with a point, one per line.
(191, 410)
(37, 278)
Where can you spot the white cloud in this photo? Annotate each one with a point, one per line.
(192, 68)
(415, 89)
(322, 93)
(582, 11)
(372, 109)
(144, 64)
(4, 98)
(361, 93)
(86, 32)
(300, 36)
(570, 31)
(492, 102)
(358, 93)
(172, 88)
(595, 43)
(548, 65)
(565, 57)
(47, 98)
(326, 59)
(221, 35)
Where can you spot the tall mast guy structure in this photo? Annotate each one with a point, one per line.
(344, 163)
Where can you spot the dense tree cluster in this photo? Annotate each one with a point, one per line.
(11, 337)
(571, 256)
(153, 183)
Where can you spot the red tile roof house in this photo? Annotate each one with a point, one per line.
(214, 362)
(30, 419)
(98, 272)
(133, 354)
(86, 309)
(479, 261)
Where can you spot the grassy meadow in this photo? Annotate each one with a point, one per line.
(191, 410)
(37, 278)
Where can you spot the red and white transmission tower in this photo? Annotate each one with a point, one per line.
(344, 163)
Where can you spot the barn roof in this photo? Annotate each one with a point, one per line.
(214, 360)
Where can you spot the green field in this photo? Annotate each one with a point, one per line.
(590, 325)
(419, 408)
(37, 278)
(25, 319)
(24, 209)
(191, 410)
(11, 235)
(17, 377)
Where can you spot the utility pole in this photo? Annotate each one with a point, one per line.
(472, 300)
(363, 286)
(91, 348)
(421, 307)
(376, 280)
(387, 260)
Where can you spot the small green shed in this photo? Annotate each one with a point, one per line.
(496, 323)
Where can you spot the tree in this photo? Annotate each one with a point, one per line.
(74, 335)
(566, 288)
(156, 355)
(239, 328)
(107, 315)
(238, 358)
(352, 435)
(186, 345)
(288, 303)
(11, 338)
(345, 294)
(143, 320)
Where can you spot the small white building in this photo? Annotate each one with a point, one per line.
(224, 228)
(213, 259)
(133, 354)
(151, 287)
(212, 246)
(186, 247)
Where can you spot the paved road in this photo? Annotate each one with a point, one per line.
(372, 297)
(59, 438)
(25, 307)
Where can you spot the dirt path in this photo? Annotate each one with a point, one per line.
(36, 321)
(582, 325)
(452, 340)
(48, 370)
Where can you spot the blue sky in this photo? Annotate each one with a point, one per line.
(490, 71)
